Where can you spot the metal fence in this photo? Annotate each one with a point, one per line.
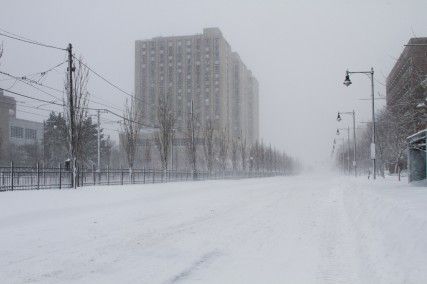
(39, 177)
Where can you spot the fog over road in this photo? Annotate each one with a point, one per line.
(274, 230)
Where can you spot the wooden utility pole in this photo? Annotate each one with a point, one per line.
(72, 126)
(99, 140)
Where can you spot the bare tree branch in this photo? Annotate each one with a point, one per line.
(80, 101)
(208, 144)
(164, 136)
(130, 129)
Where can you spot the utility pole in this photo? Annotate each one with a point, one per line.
(99, 140)
(72, 126)
(354, 146)
(193, 145)
(349, 149)
(373, 146)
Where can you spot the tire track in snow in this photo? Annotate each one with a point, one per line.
(338, 248)
(198, 264)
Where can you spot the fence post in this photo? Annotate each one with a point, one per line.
(94, 174)
(108, 174)
(60, 176)
(44, 175)
(154, 173)
(38, 176)
(143, 175)
(11, 175)
(121, 179)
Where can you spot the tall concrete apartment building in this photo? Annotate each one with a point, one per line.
(201, 69)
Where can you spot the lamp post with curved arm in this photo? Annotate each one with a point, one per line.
(352, 113)
(347, 82)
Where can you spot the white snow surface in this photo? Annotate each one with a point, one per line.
(304, 229)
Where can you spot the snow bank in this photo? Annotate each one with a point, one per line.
(391, 221)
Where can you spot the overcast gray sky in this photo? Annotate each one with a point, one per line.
(298, 50)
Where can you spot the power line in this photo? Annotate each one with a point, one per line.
(32, 98)
(25, 106)
(29, 82)
(118, 115)
(106, 80)
(20, 38)
(42, 73)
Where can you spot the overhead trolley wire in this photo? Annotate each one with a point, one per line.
(23, 39)
(32, 98)
(106, 80)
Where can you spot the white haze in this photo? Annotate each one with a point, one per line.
(298, 50)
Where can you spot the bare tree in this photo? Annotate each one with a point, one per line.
(130, 136)
(147, 152)
(243, 153)
(164, 136)
(234, 153)
(208, 144)
(80, 97)
(191, 135)
(223, 147)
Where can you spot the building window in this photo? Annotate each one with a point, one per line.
(16, 132)
(30, 134)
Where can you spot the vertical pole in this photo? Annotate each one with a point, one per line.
(38, 175)
(373, 125)
(108, 175)
(172, 149)
(71, 105)
(193, 146)
(11, 175)
(354, 146)
(99, 140)
(60, 175)
(94, 174)
(348, 151)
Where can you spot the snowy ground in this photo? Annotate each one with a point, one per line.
(273, 230)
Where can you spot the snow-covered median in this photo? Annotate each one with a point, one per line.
(273, 230)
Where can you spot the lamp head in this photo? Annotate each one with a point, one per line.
(339, 117)
(347, 80)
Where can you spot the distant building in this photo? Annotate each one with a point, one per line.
(7, 109)
(15, 131)
(405, 79)
(201, 68)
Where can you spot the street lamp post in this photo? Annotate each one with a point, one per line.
(352, 113)
(348, 145)
(347, 82)
(333, 147)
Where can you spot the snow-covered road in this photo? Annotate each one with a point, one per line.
(274, 230)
